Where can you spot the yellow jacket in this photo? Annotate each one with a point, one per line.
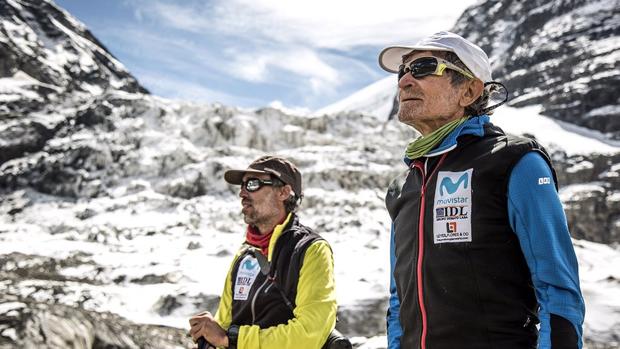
(314, 314)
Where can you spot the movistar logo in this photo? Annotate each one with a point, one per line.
(452, 187)
(249, 265)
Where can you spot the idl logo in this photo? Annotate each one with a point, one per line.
(452, 187)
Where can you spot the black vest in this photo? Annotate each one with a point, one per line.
(263, 304)
(467, 267)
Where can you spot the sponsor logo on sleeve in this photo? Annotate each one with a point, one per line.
(544, 180)
(452, 207)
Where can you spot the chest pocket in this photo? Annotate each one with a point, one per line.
(452, 207)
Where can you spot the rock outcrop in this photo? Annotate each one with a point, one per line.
(561, 54)
(26, 323)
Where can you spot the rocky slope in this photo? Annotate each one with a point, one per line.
(48, 60)
(561, 54)
(27, 323)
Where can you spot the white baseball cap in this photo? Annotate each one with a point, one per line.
(474, 58)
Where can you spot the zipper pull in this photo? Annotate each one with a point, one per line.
(271, 280)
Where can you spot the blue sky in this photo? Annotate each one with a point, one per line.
(254, 53)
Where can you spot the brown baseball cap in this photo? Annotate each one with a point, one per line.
(278, 167)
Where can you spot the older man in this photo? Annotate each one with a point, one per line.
(279, 292)
(480, 249)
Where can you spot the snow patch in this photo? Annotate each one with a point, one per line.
(375, 99)
(554, 134)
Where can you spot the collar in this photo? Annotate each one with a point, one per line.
(277, 231)
(473, 126)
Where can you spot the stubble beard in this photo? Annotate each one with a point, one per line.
(250, 216)
(253, 217)
(408, 110)
(406, 115)
(418, 117)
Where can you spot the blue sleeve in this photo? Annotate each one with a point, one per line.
(394, 331)
(537, 217)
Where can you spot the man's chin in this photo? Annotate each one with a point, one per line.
(248, 219)
(406, 118)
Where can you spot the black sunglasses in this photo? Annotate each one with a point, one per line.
(254, 184)
(430, 65)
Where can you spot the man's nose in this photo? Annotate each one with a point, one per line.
(406, 80)
(243, 193)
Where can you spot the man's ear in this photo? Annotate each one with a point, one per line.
(284, 192)
(472, 91)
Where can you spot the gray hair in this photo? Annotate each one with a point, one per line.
(456, 79)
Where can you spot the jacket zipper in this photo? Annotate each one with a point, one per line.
(420, 259)
(419, 166)
(255, 297)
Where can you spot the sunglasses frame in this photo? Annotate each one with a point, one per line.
(441, 66)
(261, 183)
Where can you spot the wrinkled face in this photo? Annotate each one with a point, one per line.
(429, 102)
(261, 206)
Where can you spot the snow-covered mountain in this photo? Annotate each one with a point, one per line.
(51, 55)
(114, 215)
(49, 61)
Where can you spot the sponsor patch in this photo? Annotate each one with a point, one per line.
(544, 180)
(452, 207)
(246, 274)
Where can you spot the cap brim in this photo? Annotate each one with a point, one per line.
(236, 176)
(391, 57)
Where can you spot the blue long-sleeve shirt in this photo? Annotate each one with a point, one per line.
(393, 323)
(541, 228)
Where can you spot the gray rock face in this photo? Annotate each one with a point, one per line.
(17, 138)
(589, 344)
(26, 323)
(54, 61)
(29, 321)
(590, 192)
(363, 319)
(561, 54)
(31, 33)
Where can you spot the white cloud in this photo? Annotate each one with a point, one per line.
(286, 66)
(181, 16)
(317, 23)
